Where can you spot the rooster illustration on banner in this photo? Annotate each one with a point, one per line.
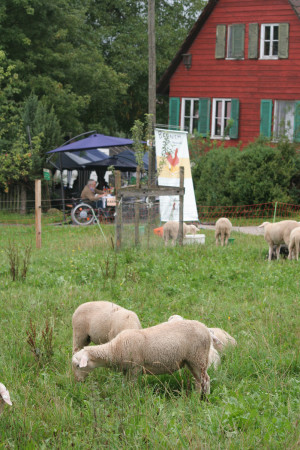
(173, 161)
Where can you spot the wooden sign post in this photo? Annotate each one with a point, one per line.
(38, 214)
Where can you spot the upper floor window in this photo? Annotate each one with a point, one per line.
(269, 41)
(190, 114)
(235, 41)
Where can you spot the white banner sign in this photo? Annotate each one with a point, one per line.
(171, 153)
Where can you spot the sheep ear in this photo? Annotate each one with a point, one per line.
(216, 340)
(83, 361)
(6, 398)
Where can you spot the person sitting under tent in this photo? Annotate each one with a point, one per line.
(92, 194)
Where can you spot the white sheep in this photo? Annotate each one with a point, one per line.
(223, 230)
(4, 397)
(171, 229)
(214, 357)
(278, 233)
(222, 339)
(294, 245)
(99, 322)
(164, 348)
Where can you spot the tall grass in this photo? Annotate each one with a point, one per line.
(255, 394)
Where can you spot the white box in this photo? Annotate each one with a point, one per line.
(191, 239)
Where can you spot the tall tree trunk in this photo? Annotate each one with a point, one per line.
(23, 199)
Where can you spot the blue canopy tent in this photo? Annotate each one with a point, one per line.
(94, 141)
(84, 148)
(124, 161)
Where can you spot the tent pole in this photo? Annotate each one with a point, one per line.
(62, 187)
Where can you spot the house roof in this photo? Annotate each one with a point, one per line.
(163, 84)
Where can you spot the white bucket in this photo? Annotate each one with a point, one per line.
(191, 239)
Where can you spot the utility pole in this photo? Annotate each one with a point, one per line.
(151, 83)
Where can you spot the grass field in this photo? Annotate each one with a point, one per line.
(255, 393)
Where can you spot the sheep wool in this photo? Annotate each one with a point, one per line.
(99, 322)
(161, 349)
(223, 231)
(171, 229)
(4, 397)
(294, 245)
(278, 233)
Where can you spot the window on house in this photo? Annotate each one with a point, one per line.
(235, 41)
(284, 124)
(286, 119)
(190, 114)
(221, 115)
(269, 41)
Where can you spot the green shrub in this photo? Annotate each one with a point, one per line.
(260, 173)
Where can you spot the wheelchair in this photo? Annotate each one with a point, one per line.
(85, 213)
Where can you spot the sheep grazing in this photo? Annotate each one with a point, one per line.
(223, 230)
(171, 229)
(278, 233)
(99, 322)
(222, 339)
(162, 349)
(294, 245)
(4, 397)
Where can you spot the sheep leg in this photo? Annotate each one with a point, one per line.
(270, 252)
(226, 238)
(217, 239)
(297, 250)
(222, 238)
(202, 380)
(278, 251)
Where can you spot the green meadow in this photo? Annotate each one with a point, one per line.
(255, 393)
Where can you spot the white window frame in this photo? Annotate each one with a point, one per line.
(192, 100)
(289, 133)
(213, 130)
(262, 40)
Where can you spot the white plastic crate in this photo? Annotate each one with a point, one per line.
(191, 239)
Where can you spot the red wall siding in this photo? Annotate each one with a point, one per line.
(248, 80)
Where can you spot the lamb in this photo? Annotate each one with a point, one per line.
(4, 397)
(171, 229)
(278, 233)
(161, 349)
(294, 245)
(223, 230)
(100, 322)
(222, 339)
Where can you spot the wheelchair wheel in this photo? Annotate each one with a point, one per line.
(82, 214)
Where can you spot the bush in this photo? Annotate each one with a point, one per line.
(259, 173)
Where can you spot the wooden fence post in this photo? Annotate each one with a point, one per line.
(118, 210)
(180, 231)
(38, 214)
(137, 208)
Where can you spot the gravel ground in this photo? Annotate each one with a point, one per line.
(247, 230)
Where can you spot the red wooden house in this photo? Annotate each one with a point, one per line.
(237, 74)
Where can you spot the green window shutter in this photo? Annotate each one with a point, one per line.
(253, 41)
(236, 41)
(174, 109)
(297, 122)
(235, 108)
(283, 45)
(220, 41)
(266, 117)
(204, 116)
